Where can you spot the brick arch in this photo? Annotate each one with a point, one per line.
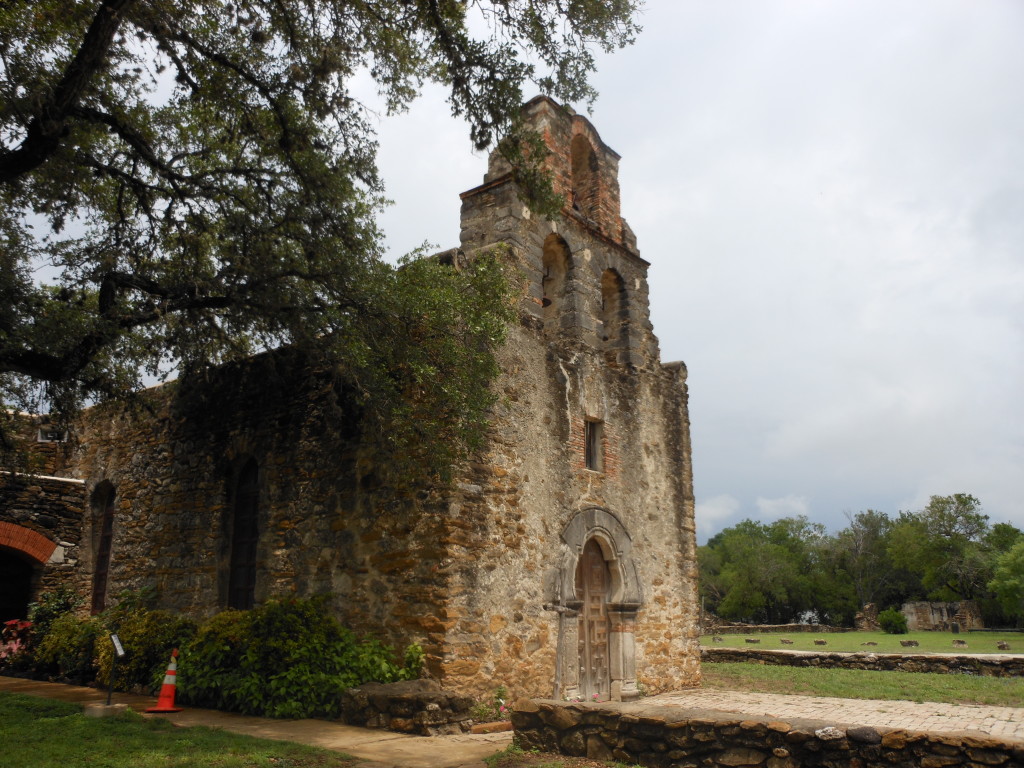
(26, 541)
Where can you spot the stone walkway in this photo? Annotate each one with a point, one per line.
(1001, 722)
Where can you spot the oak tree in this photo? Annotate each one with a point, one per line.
(184, 182)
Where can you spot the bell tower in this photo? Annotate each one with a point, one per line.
(592, 441)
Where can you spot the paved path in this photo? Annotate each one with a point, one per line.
(379, 748)
(1001, 722)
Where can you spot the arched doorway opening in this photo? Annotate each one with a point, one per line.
(17, 574)
(593, 588)
(597, 598)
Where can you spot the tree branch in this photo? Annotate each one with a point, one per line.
(49, 126)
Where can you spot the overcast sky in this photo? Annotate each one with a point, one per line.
(831, 196)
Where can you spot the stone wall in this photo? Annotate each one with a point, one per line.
(984, 665)
(40, 523)
(941, 617)
(410, 706)
(327, 522)
(669, 737)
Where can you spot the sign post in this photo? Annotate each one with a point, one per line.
(118, 653)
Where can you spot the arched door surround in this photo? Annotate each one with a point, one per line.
(597, 598)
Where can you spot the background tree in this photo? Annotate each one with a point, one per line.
(944, 543)
(199, 181)
(862, 552)
(766, 573)
(793, 570)
(1008, 581)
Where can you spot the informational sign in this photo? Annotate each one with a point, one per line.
(118, 648)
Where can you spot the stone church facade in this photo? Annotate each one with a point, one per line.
(562, 562)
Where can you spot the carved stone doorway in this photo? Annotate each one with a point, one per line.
(593, 587)
(597, 597)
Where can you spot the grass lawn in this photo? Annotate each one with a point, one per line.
(863, 684)
(931, 642)
(42, 733)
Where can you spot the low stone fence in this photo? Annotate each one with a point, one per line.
(750, 629)
(983, 665)
(412, 706)
(669, 737)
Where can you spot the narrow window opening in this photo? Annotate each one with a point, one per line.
(103, 528)
(244, 538)
(593, 442)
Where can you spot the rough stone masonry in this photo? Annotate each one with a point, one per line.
(560, 564)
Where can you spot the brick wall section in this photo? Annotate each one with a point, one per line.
(599, 210)
(26, 541)
(669, 737)
(609, 448)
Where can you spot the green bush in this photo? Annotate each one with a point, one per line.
(893, 622)
(148, 637)
(42, 614)
(286, 658)
(69, 647)
(211, 665)
(51, 605)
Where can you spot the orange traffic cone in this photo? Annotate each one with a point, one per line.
(166, 701)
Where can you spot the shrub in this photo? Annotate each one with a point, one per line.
(211, 664)
(69, 647)
(23, 639)
(14, 639)
(892, 622)
(148, 637)
(286, 658)
(51, 605)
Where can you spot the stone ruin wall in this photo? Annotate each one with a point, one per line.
(941, 617)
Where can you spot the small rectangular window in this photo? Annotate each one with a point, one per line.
(593, 439)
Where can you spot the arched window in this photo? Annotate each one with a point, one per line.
(244, 537)
(102, 504)
(556, 263)
(584, 176)
(613, 307)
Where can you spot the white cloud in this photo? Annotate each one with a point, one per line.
(787, 506)
(830, 198)
(715, 513)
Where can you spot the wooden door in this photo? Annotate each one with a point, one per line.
(593, 583)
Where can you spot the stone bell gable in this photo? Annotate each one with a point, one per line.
(582, 580)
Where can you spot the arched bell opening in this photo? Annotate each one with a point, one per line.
(585, 196)
(614, 317)
(556, 263)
